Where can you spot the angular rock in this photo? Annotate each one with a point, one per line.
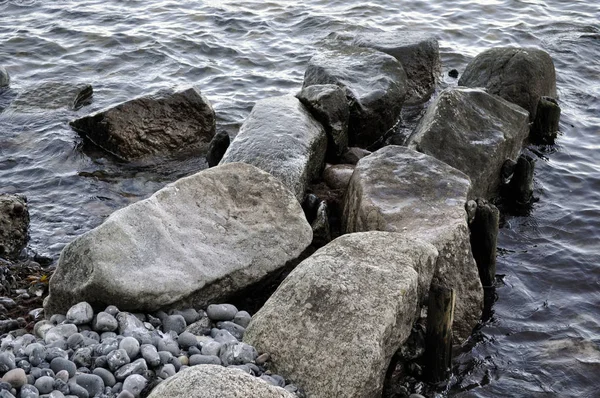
(328, 104)
(4, 77)
(208, 381)
(374, 84)
(519, 75)
(419, 54)
(474, 132)
(397, 189)
(354, 154)
(50, 96)
(367, 280)
(161, 124)
(195, 241)
(281, 137)
(14, 225)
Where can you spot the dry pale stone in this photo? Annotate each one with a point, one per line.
(195, 241)
(398, 189)
(335, 322)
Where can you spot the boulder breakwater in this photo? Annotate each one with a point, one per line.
(321, 171)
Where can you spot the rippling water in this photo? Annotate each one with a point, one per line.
(543, 338)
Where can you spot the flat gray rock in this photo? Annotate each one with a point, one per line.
(281, 137)
(398, 189)
(374, 83)
(162, 124)
(209, 381)
(14, 225)
(195, 241)
(519, 75)
(335, 322)
(474, 132)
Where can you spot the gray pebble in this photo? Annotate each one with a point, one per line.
(112, 310)
(41, 328)
(204, 360)
(223, 336)
(165, 357)
(45, 384)
(29, 391)
(125, 394)
(78, 391)
(221, 312)
(62, 386)
(106, 376)
(117, 388)
(59, 364)
(62, 344)
(56, 394)
(255, 369)
(166, 371)
(237, 354)
(131, 346)
(201, 327)
(194, 350)
(57, 319)
(291, 388)
(279, 379)
(30, 379)
(25, 365)
(90, 334)
(37, 353)
(5, 386)
(136, 367)
(105, 322)
(177, 363)
(80, 314)
(101, 362)
(155, 322)
(6, 394)
(262, 358)
(189, 314)
(187, 340)
(242, 318)
(55, 352)
(75, 341)
(236, 330)
(117, 358)
(107, 335)
(244, 368)
(211, 348)
(15, 377)
(174, 323)
(83, 357)
(62, 375)
(168, 344)
(60, 332)
(128, 323)
(150, 354)
(7, 362)
(108, 345)
(269, 380)
(134, 384)
(92, 383)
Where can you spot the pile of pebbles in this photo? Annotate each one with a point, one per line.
(125, 355)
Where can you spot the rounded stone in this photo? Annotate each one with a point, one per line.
(168, 344)
(112, 310)
(45, 384)
(29, 391)
(106, 376)
(91, 335)
(56, 394)
(237, 354)
(242, 318)
(166, 371)
(62, 375)
(175, 323)
(41, 328)
(62, 386)
(183, 360)
(165, 357)
(131, 346)
(7, 362)
(187, 340)
(78, 391)
(55, 352)
(117, 358)
(204, 360)
(15, 377)
(75, 341)
(105, 322)
(135, 384)
(25, 365)
(189, 314)
(221, 312)
(150, 354)
(83, 357)
(223, 336)
(80, 314)
(236, 330)
(60, 332)
(93, 384)
(57, 319)
(201, 327)
(125, 394)
(4, 386)
(211, 348)
(4, 77)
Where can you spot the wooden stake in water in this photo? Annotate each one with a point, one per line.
(545, 125)
(484, 238)
(438, 347)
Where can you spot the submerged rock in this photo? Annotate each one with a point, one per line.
(4, 77)
(398, 189)
(519, 75)
(281, 137)
(14, 225)
(161, 125)
(374, 83)
(474, 132)
(345, 310)
(52, 95)
(197, 240)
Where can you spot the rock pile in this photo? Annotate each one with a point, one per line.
(120, 354)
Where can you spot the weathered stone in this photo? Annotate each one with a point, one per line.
(4, 77)
(374, 83)
(80, 314)
(14, 225)
(208, 381)
(519, 75)
(337, 176)
(368, 279)
(195, 241)
(474, 132)
(397, 189)
(50, 96)
(281, 137)
(353, 155)
(328, 104)
(161, 124)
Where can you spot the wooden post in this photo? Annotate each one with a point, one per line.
(484, 239)
(545, 124)
(438, 346)
(521, 183)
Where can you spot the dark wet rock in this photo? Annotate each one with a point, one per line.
(453, 73)
(138, 366)
(545, 125)
(328, 104)
(281, 137)
(162, 124)
(14, 225)
(50, 96)
(519, 75)
(372, 278)
(248, 222)
(337, 176)
(374, 84)
(520, 188)
(397, 189)
(4, 77)
(217, 148)
(474, 132)
(117, 359)
(353, 155)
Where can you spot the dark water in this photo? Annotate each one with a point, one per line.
(544, 337)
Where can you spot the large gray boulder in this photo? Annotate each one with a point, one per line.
(281, 137)
(197, 240)
(374, 83)
(397, 189)
(519, 75)
(4, 77)
(328, 103)
(14, 225)
(419, 54)
(474, 132)
(210, 381)
(161, 125)
(335, 322)
(51, 96)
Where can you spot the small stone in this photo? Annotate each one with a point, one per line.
(242, 318)
(128, 323)
(107, 335)
(174, 323)
(221, 312)
(80, 314)
(8, 302)
(136, 367)
(125, 394)
(78, 391)
(112, 310)
(91, 335)
(184, 360)
(5, 386)
(236, 330)
(201, 327)
(55, 352)
(15, 377)
(194, 350)
(7, 362)
(187, 340)
(237, 354)
(117, 388)
(177, 363)
(453, 73)
(62, 386)
(204, 360)
(44, 384)
(211, 348)
(150, 354)
(262, 358)
(117, 358)
(189, 314)
(83, 357)
(57, 319)
(291, 388)
(135, 384)
(106, 376)
(60, 332)
(165, 357)
(166, 371)
(269, 380)
(167, 343)
(75, 341)
(243, 368)
(62, 375)
(56, 394)
(25, 365)
(29, 391)
(223, 336)
(131, 346)
(279, 379)
(108, 345)
(41, 328)
(92, 383)
(105, 322)
(37, 353)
